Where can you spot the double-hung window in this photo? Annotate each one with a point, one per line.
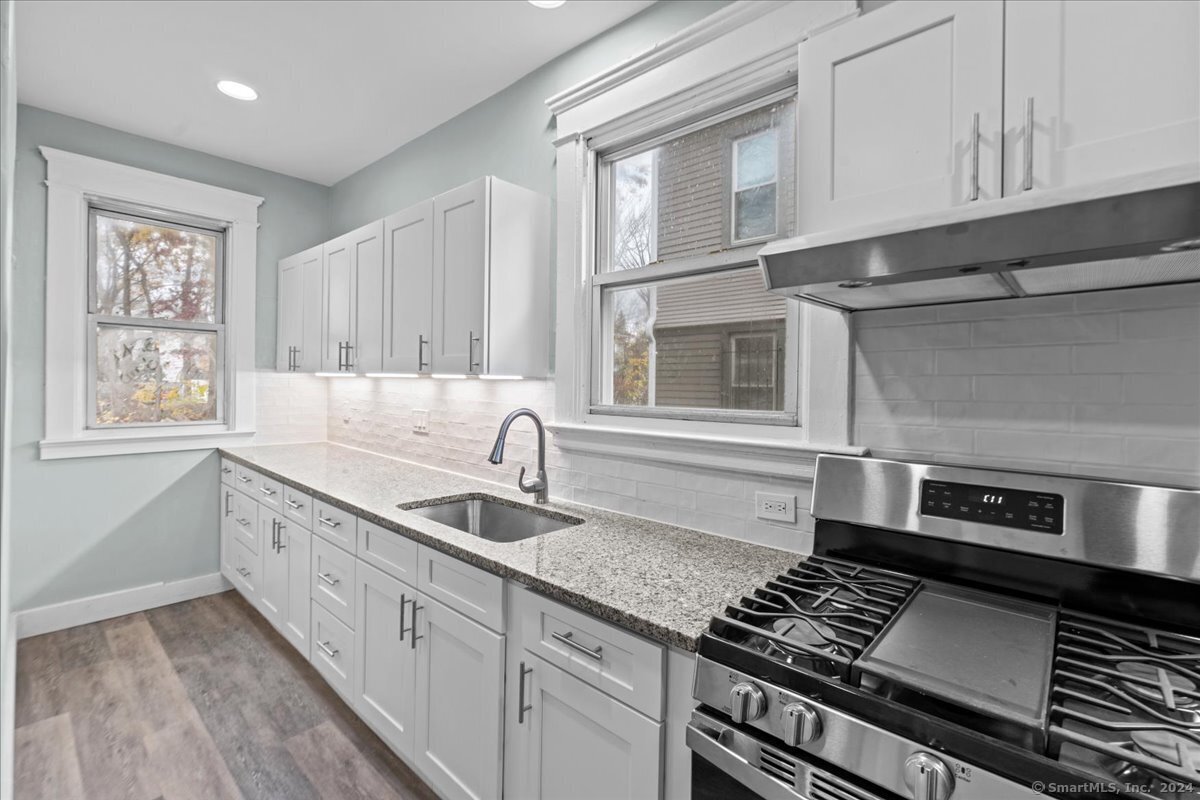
(156, 320)
(683, 326)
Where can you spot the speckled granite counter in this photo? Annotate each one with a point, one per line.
(660, 580)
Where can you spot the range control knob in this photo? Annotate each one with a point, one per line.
(746, 702)
(801, 724)
(927, 777)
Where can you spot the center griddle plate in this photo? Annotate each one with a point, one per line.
(980, 651)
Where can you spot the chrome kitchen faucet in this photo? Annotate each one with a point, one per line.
(539, 486)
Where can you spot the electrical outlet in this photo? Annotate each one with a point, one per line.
(779, 507)
(420, 420)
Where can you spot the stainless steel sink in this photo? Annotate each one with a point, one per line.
(494, 521)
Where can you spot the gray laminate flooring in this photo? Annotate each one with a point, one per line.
(201, 699)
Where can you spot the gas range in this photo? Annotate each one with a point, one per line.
(963, 633)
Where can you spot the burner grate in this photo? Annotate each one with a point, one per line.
(1129, 696)
(837, 609)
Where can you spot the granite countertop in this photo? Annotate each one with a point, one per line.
(659, 580)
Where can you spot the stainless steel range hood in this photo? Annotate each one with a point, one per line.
(1138, 231)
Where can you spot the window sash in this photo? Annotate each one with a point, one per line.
(735, 190)
(222, 379)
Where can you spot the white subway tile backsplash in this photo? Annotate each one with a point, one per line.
(915, 337)
(1040, 360)
(1167, 355)
(1049, 388)
(905, 387)
(1162, 389)
(1046, 330)
(1030, 416)
(1181, 455)
(1172, 323)
(1055, 447)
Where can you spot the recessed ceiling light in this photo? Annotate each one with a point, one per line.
(238, 91)
(547, 3)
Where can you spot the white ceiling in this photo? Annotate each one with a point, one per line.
(341, 83)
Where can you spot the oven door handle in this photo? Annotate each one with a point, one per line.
(707, 744)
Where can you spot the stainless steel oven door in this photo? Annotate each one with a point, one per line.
(759, 771)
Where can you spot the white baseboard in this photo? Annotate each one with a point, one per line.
(35, 621)
(8, 683)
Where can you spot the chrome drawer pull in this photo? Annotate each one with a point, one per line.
(332, 523)
(266, 491)
(244, 479)
(245, 523)
(329, 651)
(228, 503)
(522, 707)
(225, 470)
(245, 573)
(327, 578)
(294, 505)
(412, 631)
(566, 639)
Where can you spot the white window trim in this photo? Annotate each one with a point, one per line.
(745, 49)
(74, 182)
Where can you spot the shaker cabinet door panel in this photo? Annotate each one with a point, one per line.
(1111, 89)
(887, 107)
(296, 544)
(290, 313)
(337, 304)
(385, 659)
(312, 270)
(408, 289)
(459, 278)
(460, 695)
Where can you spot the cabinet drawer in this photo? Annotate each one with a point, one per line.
(227, 468)
(245, 521)
(298, 507)
(246, 568)
(333, 650)
(389, 551)
(621, 664)
(468, 590)
(245, 479)
(332, 583)
(334, 525)
(269, 492)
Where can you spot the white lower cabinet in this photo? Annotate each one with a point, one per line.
(333, 651)
(568, 740)
(460, 700)
(385, 657)
(227, 523)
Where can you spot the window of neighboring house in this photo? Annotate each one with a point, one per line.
(676, 287)
(155, 321)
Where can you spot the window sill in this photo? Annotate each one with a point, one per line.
(153, 442)
(769, 457)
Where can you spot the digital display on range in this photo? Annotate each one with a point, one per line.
(1010, 508)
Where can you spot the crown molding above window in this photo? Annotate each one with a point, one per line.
(770, 457)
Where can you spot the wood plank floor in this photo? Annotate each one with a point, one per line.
(200, 700)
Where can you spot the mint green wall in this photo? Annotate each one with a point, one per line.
(86, 526)
(509, 134)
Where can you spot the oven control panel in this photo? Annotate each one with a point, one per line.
(1010, 508)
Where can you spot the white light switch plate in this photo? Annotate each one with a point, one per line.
(421, 420)
(778, 507)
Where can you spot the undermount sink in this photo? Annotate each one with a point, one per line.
(496, 522)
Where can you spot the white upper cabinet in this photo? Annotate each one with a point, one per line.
(1110, 88)
(298, 343)
(408, 289)
(491, 256)
(899, 113)
(352, 301)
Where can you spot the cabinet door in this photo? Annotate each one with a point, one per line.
(575, 741)
(312, 264)
(1114, 88)
(352, 301)
(408, 288)
(460, 278)
(886, 113)
(289, 306)
(227, 526)
(296, 544)
(385, 658)
(460, 694)
(273, 585)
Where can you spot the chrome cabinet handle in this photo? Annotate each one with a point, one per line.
(521, 705)
(225, 470)
(341, 356)
(332, 523)
(328, 578)
(228, 503)
(1027, 183)
(329, 651)
(293, 358)
(472, 364)
(292, 504)
(347, 363)
(245, 523)
(421, 362)
(266, 491)
(245, 573)
(275, 535)
(975, 156)
(403, 602)
(566, 638)
(244, 479)
(413, 630)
